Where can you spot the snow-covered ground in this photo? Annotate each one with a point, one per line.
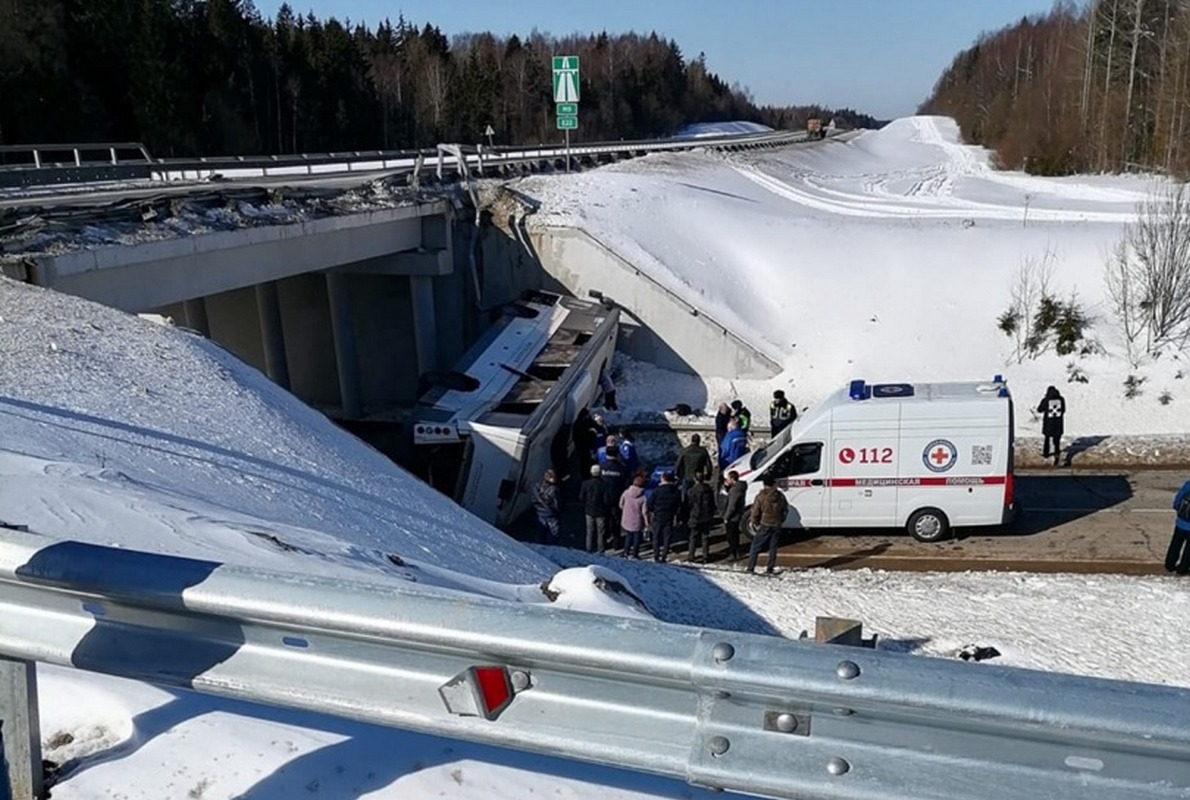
(122, 431)
(887, 256)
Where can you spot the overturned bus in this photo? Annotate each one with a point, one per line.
(483, 432)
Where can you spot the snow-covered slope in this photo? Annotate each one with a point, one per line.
(888, 256)
(115, 429)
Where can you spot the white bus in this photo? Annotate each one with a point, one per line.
(483, 432)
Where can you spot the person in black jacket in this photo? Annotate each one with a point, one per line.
(722, 416)
(693, 460)
(545, 504)
(1053, 410)
(733, 513)
(597, 505)
(700, 513)
(781, 413)
(615, 477)
(664, 507)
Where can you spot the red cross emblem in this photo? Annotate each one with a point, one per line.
(939, 455)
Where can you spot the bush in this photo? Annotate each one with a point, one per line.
(1132, 386)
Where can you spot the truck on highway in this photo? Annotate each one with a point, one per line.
(926, 457)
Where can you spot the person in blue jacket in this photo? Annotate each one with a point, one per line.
(628, 452)
(1177, 558)
(734, 445)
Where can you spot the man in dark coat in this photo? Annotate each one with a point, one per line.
(693, 460)
(781, 413)
(700, 513)
(722, 417)
(1053, 414)
(733, 513)
(545, 505)
(615, 477)
(664, 507)
(597, 505)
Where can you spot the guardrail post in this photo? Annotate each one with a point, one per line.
(20, 732)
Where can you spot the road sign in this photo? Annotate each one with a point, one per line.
(567, 123)
(567, 109)
(489, 131)
(565, 79)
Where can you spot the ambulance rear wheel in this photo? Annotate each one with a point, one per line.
(928, 525)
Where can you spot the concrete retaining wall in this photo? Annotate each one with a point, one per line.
(660, 327)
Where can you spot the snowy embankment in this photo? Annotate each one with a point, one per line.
(888, 256)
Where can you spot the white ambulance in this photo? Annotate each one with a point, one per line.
(927, 457)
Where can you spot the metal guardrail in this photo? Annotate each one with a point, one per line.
(749, 713)
(38, 170)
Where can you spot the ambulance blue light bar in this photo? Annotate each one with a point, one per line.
(999, 379)
(859, 390)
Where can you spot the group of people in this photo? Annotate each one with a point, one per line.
(619, 514)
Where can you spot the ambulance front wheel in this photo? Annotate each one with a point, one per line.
(928, 525)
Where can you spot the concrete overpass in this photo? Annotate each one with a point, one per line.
(309, 303)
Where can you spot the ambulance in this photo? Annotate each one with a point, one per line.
(926, 457)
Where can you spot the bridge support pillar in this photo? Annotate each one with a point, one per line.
(272, 334)
(21, 776)
(346, 354)
(425, 323)
(196, 316)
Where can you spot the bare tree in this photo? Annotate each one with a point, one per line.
(1148, 275)
(1030, 289)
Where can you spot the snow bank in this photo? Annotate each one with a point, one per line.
(889, 256)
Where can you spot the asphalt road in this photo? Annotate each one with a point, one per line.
(1111, 522)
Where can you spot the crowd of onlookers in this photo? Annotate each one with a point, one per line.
(627, 507)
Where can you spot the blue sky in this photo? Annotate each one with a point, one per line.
(876, 56)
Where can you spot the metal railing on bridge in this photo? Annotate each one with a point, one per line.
(47, 165)
(756, 714)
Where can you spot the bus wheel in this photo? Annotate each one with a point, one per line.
(928, 525)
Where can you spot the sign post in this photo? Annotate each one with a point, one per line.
(566, 97)
(489, 132)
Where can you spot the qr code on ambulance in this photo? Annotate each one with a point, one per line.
(981, 454)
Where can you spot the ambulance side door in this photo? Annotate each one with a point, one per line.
(866, 465)
(801, 477)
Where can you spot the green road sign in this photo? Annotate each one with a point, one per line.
(567, 109)
(567, 123)
(565, 79)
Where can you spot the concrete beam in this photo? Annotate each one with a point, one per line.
(425, 323)
(154, 274)
(426, 263)
(272, 334)
(196, 316)
(346, 352)
(21, 776)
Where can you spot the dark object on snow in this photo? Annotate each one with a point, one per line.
(682, 410)
(974, 652)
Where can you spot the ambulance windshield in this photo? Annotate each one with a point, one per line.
(771, 448)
